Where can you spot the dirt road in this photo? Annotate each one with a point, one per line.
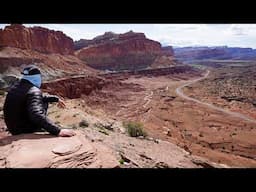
(234, 114)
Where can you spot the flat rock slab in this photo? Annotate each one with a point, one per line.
(45, 151)
(67, 148)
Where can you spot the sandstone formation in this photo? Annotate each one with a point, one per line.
(41, 150)
(168, 71)
(167, 51)
(145, 93)
(128, 51)
(36, 38)
(51, 50)
(74, 87)
(55, 65)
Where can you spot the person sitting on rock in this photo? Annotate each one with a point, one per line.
(25, 107)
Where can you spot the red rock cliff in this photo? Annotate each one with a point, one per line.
(168, 51)
(120, 51)
(36, 38)
(119, 45)
(74, 87)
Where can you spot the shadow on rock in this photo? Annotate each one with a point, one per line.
(9, 139)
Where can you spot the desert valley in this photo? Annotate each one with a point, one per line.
(133, 102)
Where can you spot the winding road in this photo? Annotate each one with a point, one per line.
(234, 114)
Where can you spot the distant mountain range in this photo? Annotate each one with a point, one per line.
(218, 52)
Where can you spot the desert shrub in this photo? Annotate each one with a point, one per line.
(83, 123)
(121, 161)
(135, 129)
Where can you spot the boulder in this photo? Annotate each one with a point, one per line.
(41, 150)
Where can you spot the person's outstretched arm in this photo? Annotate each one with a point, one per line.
(37, 112)
(53, 98)
(50, 98)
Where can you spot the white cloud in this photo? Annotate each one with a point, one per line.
(208, 34)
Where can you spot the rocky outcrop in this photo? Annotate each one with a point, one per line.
(158, 72)
(74, 87)
(13, 60)
(41, 150)
(81, 43)
(128, 51)
(107, 36)
(91, 148)
(167, 51)
(36, 38)
(51, 50)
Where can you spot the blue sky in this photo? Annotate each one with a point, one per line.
(233, 35)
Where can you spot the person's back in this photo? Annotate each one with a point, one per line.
(15, 109)
(25, 108)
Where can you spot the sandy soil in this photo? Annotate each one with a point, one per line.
(200, 130)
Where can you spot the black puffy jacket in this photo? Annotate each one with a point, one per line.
(24, 110)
